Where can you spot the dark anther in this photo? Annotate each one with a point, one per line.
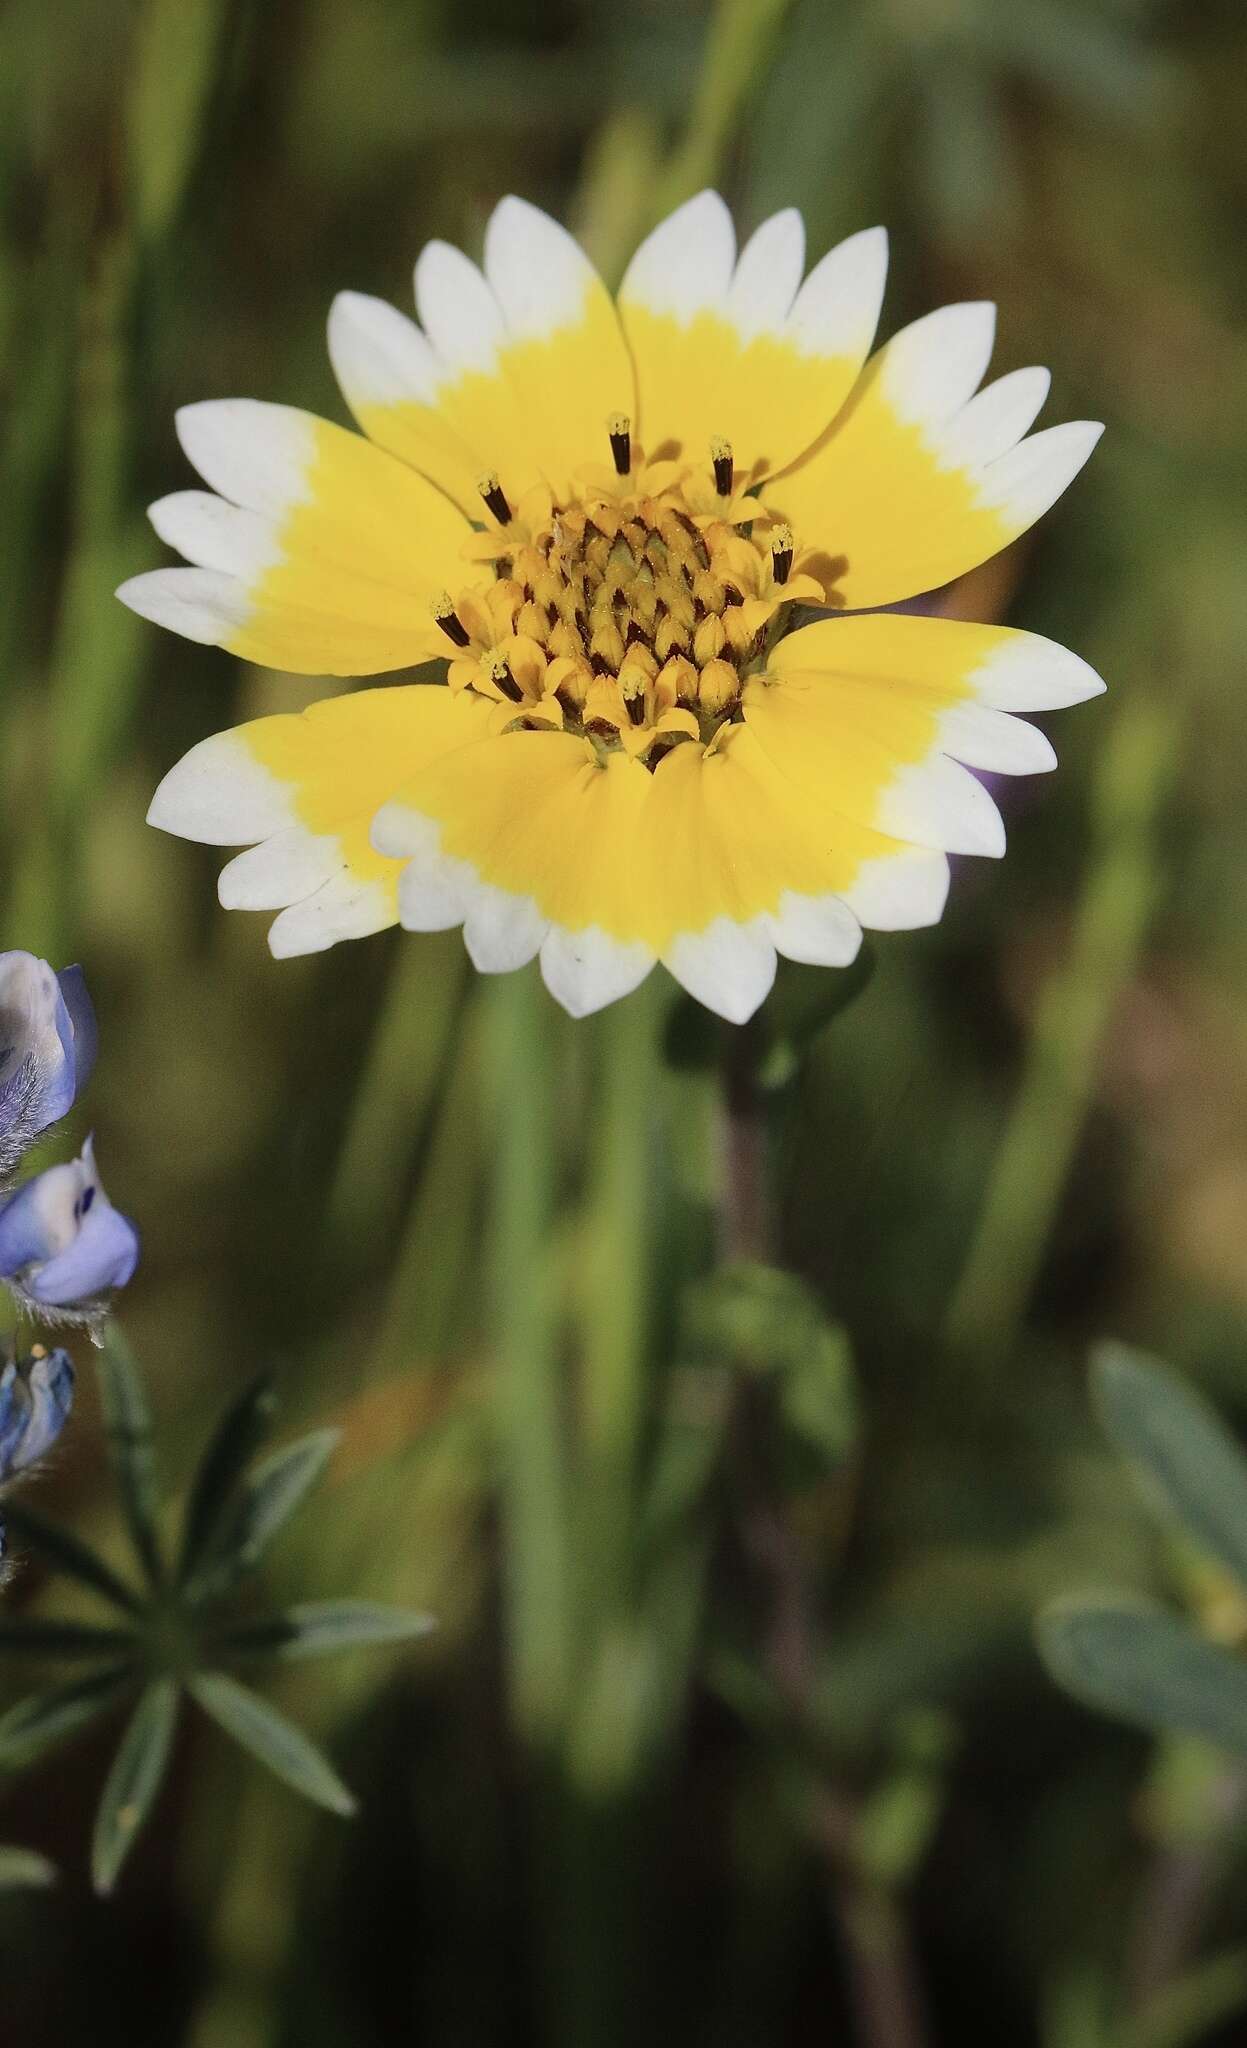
(447, 618)
(500, 671)
(721, 457)
(496, 499)
(88, 1196)
(781, 554)
(619, 428)
(634, 702)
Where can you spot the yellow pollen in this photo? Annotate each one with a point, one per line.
(632, 605)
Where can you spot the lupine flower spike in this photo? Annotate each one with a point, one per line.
(606, 518)
(47, 1049)
(64, 1249)
(36, 1395)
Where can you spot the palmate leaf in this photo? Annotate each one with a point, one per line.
(1185, 1459)
(222, 1466)
(24, 1869)
(272, 1739)
(46, 1718)
(1135, 1661)
(70, 1556)
(129, 1425)
(134, 1781)
(267, 1498)
(318, 1628)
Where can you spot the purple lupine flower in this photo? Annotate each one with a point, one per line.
(47, 1049)
(36, 1394)
(63, 1246)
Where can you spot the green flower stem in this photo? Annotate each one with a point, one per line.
(531, 1423)
(616, 1281)
(883, 1978)
(1110, 925)
(738, 53)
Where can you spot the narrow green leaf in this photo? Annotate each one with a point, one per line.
(263, 1503)
(24, 1868)
(1143, 1665)
(70, 1556)
(271, 1738)
(229, 1451)
(1184, 1457)
(134, 1781)
(39, 1638)
(46, 1718)
(129, 1424)
(317, 1628)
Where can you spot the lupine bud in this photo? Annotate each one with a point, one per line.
(63, 1247)
(36, 1395)
(47, 1049)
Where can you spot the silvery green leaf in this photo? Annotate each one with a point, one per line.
(129, 1424)
(1145, 1666)
(231, 1447)
(133, 1782)
(316, 1628)
(271, 1738)
(69, 1555)
(46, 1718)
(266, 1499)
(24, 1869)
(52, 1639)
(1184, 1457)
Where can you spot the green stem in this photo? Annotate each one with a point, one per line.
(625, 1082)
(531, 1422)
(737, 56)
(1110, 926)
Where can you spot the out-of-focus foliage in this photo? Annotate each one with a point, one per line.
(714, 1744)
(173, 1633)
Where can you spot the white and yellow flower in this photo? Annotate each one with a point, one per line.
(635, 761)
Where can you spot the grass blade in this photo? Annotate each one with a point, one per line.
(272, 1739)
(134, 1781)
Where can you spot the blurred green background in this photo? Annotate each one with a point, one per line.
(465, 1229)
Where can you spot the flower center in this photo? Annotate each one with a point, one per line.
(630, 611)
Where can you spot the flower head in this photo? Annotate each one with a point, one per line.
(36, 1394)
(47, 1049)
(63, 1247)
(604, 517)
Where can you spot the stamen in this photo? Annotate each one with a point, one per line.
(498, 669)
(781, 553)
(619, 427)
(721, 457)
(495, 497)
(632, 683)
(449, 621)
